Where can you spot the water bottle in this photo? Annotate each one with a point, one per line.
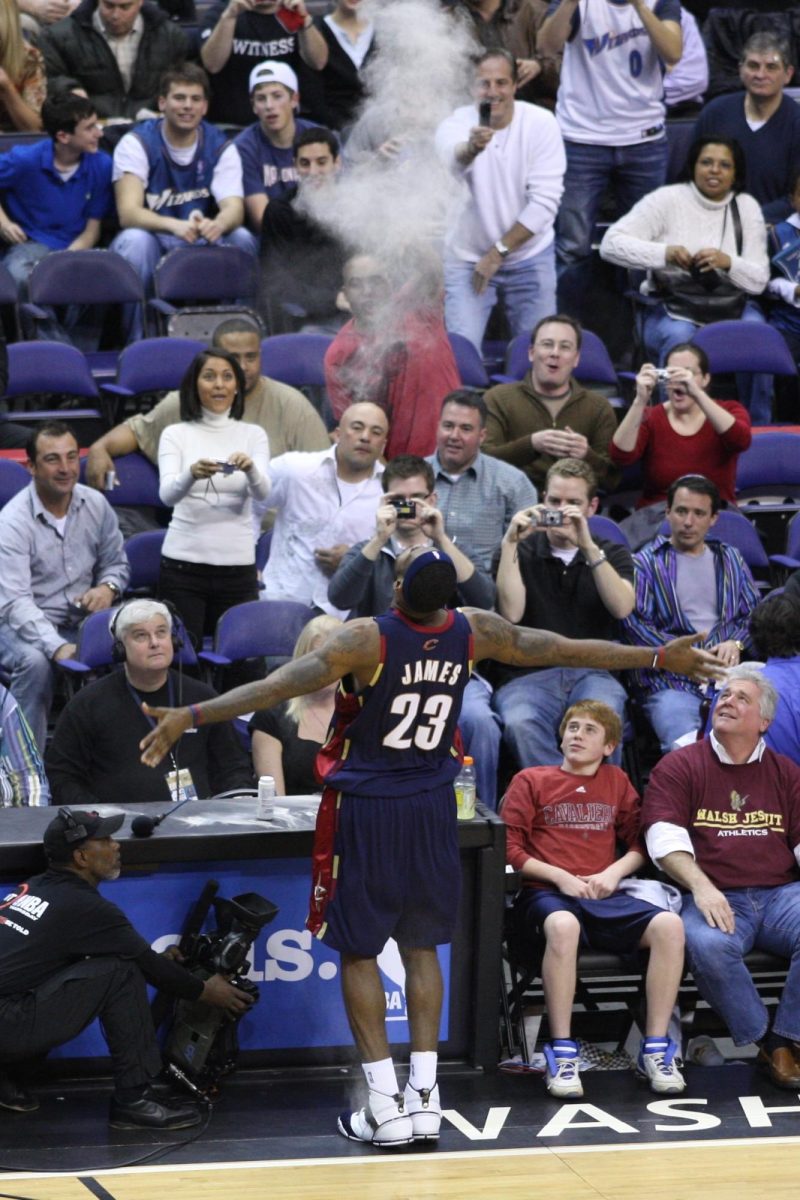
(265, 806)
(465, 791)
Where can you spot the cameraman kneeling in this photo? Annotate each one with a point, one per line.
(68, 955)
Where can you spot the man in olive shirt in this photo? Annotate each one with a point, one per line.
(548, 415)
(289, 420)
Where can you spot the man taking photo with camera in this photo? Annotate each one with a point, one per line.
(555, 575)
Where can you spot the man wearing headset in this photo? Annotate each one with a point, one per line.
(68, 955)
(93, 756)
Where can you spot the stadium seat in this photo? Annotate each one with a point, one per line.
(152, 365)
(770, 467)
(604, 527)
(49, 369)
(137, 482)
(9, 303)
(13, 478)
(143, 551)
(197, 287)
(295, 358)
(469, 362)
(746, 346)
(790, 560)
(262, 549)
(258, 629)
(98, 277)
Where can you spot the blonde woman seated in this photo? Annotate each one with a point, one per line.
(286, 738)
(23, 80)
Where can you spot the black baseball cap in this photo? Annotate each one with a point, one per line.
(70, 829)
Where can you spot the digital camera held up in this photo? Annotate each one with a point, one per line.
(551, 516)
(406, 509)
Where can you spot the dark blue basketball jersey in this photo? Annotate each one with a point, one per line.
(174, 190)
(399, 735)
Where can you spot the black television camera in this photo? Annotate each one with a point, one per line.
(202, 1044)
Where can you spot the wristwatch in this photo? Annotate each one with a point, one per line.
(598, 562)
(502, 249)
(109, 583)
(739, 646)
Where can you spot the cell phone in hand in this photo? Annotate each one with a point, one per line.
(485, 112)
(225, 467)
(290, 19)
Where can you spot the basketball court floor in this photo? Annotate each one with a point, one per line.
(730, 1136)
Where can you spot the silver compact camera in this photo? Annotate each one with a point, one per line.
(551, 516)
(662, 374)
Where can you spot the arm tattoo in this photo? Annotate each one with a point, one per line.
(513, 644)
(353, 648)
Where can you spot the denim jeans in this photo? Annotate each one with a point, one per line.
(661, 332)
(632, 170)
(531, 707)
(144, 251)
(672, 714)
(767, 919)
(480, 733)
(32, 677)
(528, 290)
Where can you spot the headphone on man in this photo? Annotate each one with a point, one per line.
(118, 654)
(74, 831)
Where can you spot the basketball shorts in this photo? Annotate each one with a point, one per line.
(385, 867)
(615, 924)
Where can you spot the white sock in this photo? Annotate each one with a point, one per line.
(380, 1076)
(423, 1069)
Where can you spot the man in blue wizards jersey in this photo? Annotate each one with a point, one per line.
(177, 179)
(386, 862)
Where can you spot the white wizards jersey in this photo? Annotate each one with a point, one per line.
(612, 80)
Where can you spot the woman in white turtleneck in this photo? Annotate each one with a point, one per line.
(691, 225)
(208, 557)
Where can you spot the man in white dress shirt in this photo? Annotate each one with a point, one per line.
(325, 502)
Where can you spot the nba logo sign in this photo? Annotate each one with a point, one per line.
(393, 974)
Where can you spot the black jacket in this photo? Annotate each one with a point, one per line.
(93, 756)
(77, 56)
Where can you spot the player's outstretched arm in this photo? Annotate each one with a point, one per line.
(354, 647)
(521, 647)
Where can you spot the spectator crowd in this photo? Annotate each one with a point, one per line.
(238, 128)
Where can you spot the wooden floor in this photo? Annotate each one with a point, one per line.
(728, 1171)
(731, 1136)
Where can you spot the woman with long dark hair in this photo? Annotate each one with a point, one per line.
(704, 246)
(687, 434)
(212, 466)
